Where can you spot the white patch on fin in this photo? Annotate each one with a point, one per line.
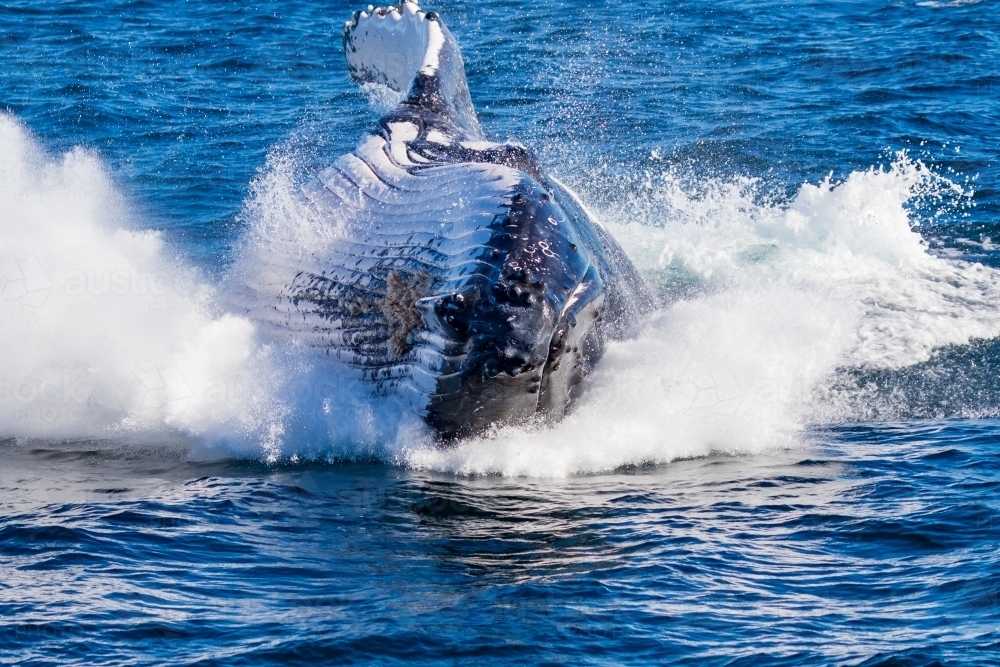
(435, 42)
(387, 47)
(395, 46)
(397, 150)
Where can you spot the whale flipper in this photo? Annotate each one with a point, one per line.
(412, 52)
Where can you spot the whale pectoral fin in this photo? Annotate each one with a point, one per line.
(387, 45)
(411, 51)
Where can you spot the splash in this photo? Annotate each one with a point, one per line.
(111, 337)
(720, 374)
(854, 243)
(106, 334)
(776, 315)
(382, 99)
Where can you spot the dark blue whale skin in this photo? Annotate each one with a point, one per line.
(515, 304)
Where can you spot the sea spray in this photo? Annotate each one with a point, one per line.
(105, 333)
(770, 311)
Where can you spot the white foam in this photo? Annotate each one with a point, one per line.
(851, 243)
(938, 4)
(104, 332)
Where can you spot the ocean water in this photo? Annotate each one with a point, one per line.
(795, 462)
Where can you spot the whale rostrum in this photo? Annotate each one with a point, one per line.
(455, 273)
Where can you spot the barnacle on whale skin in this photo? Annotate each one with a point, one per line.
(400, 308)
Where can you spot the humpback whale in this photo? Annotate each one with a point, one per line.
(455, 273)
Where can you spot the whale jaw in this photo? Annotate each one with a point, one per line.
(411, 51)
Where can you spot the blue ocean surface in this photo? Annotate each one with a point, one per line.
(795, 462)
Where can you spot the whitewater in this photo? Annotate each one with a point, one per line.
(766, 307)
